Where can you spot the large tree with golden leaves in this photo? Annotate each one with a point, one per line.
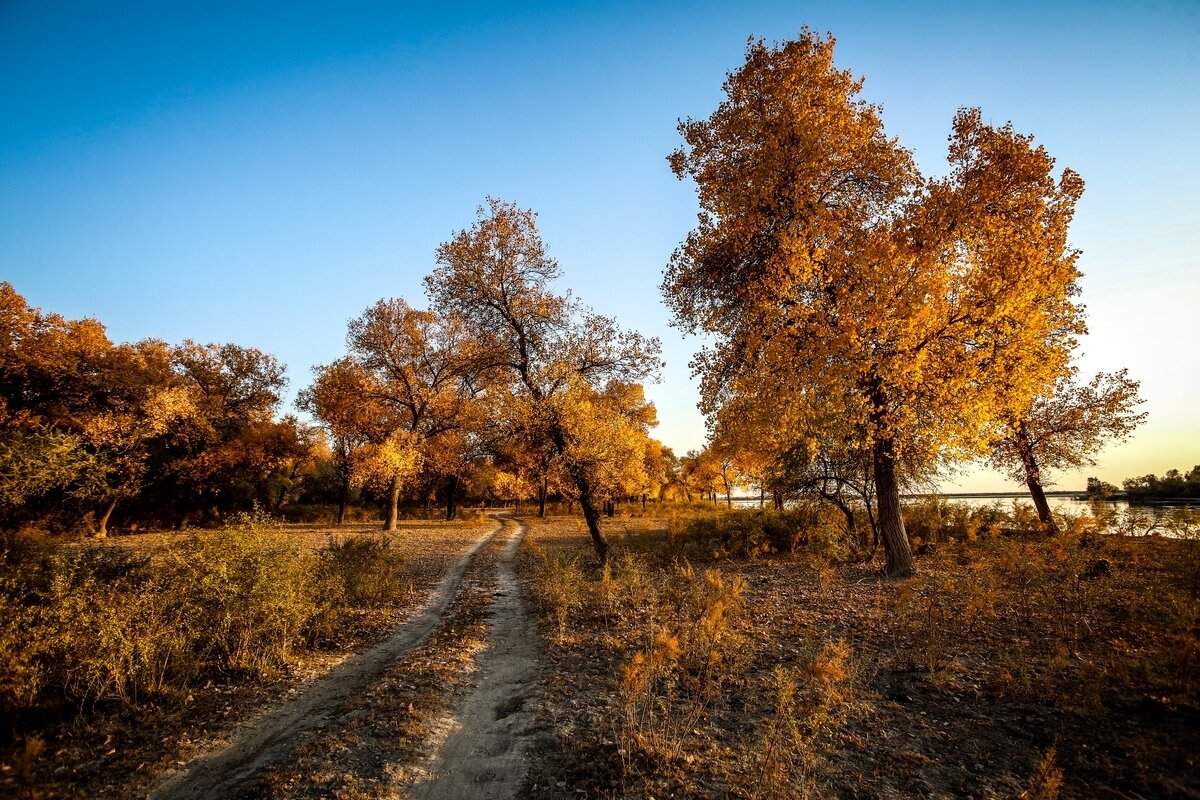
(825, 265)
(542, 348)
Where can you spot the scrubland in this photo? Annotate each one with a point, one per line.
(118, 658)
(720, 653)
(756, 654)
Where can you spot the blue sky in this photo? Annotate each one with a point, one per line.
(260, 173)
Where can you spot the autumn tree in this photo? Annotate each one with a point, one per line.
(336, 398)
(825, 263)
(605, 434)
(498, 276)
(79, 413)
(48, 366)
(700, 474)
(221, 453)
(1064, 428)
(661, 468)
(402, 400)
(423, 370)
(140, 399)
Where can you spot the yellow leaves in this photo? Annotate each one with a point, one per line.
(395, 460)
(825, 266)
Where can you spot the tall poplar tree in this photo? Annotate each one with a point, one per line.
(546, 349)
(825, 265)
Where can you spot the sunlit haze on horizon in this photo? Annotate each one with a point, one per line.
(261, 173)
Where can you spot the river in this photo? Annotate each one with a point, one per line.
(1166, 519)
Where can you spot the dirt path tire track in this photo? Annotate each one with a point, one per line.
(485, 757)
(271, 737)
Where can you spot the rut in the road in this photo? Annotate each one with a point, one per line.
(485, 754)
(272, 737)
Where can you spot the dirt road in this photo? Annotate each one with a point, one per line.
(479, 751)
(485, 752)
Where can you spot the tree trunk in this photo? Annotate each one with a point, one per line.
(451, 497)
(102, 526)
(343, 499)
(542, 491)
(891, 523)
(762, 497)
(393, 513)
(643, 502)
(593, 520)
(1033, 479)
(848, 512)
(184, 519)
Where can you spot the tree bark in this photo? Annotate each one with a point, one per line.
(102, 526)
(1033, 479)
(593, 521)
(891, 523)
(542, 491)
(393, 513)
(451, 497)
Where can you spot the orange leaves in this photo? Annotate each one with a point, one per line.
(825, 264)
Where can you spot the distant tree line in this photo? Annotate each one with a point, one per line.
(502, 391)
(1174, 485)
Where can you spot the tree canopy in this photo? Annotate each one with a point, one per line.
(825, 265)
(549, 353)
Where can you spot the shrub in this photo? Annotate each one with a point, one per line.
(748, 533)
(560, 585)
(103, 623)
(363, 571)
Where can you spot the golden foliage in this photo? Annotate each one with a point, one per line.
(827, 267)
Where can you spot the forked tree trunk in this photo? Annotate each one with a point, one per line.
(393, 513)
(891, 523)
(451, 497)
(102, 526)
(1033, 479)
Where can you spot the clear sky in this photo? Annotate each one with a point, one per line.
(261, 172)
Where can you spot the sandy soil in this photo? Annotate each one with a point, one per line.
(484, 743)
(273, 735)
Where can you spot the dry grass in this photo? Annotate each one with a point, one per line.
(1013, 665)
(141, 638)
